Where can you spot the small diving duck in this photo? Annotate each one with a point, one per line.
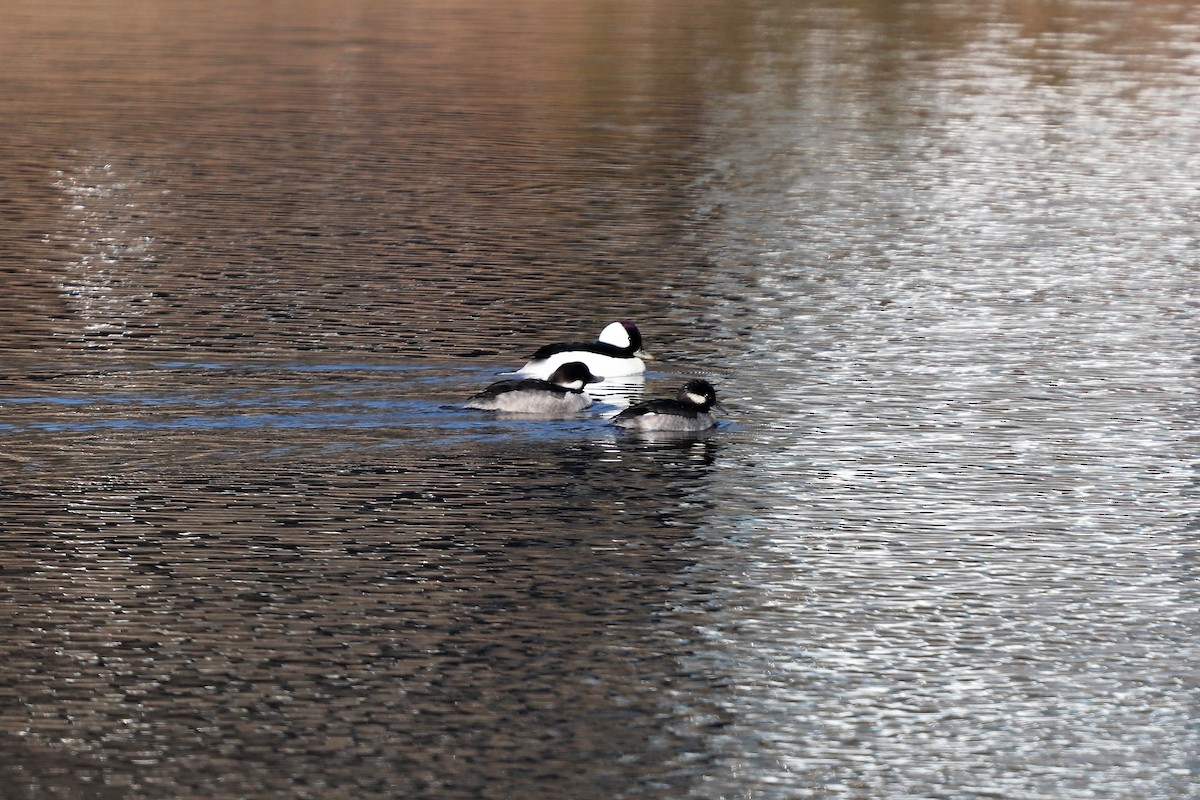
(563, 393)
(691, 411)
(616, 353)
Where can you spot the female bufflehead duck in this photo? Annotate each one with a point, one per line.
(692, 411)
(562, 394)
(616, 353)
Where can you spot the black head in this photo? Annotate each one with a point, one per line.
(624, 336)
(573, 375)
(698, 393)
(635, 336)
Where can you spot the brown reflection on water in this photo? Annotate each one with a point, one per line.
(413, 180)
(430, 167)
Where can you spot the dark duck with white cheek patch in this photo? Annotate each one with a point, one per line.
(691, 410)
(563, 393)
(616, 353)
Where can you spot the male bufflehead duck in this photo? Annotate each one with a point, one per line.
(616, 353)
(691, 411)
(563, 393)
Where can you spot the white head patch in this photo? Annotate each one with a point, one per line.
(615, 334)
(698, 399)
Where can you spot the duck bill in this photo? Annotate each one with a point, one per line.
(642, 354)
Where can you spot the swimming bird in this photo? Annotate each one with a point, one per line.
(616, 353)
(563, 393)
(691, 410)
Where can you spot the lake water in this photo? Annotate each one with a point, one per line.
(940, 260)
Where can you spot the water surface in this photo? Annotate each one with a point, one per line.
(938, 258)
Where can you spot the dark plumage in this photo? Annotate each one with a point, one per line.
(691, 410)
(562, 393)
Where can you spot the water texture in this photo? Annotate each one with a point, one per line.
(938, 258)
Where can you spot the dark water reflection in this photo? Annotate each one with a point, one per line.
(424, 624)
(938, 258)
